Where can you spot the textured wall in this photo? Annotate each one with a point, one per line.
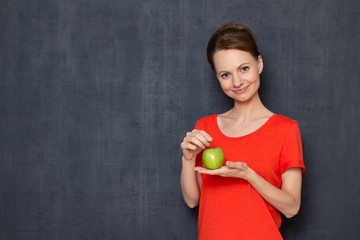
(96, 96)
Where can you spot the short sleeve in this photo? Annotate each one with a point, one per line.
(291, 152)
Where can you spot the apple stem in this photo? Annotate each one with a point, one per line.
(210, 144)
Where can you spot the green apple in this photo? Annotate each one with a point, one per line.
(213, 158)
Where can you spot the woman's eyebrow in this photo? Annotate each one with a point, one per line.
(237, 68)
(243, 64)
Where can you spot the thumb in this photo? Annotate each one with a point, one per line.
(238, 165)
(231, 164)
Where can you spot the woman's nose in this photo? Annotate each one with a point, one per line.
(237, 80)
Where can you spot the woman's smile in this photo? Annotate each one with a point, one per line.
(241, 90)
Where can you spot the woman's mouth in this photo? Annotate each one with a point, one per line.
(242, 90)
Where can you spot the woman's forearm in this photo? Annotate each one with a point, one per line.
(287, 202)
(189, 183)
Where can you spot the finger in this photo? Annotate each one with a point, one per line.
(219, 171)
(203, 170)
(199, 168)
(204, 141)
(229, 164)
(201, 135)
(196, 141)
(237, 165)
(206, 136)
(197, 135)
(189, 146)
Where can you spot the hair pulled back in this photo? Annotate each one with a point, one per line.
(232, 36)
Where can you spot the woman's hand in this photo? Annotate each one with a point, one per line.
(286, 199)
(194, 142)
(232, 169)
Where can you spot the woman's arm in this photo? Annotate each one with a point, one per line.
(287, 199)
(193, 144)
(189, 183)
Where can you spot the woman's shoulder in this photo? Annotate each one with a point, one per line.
(208, 117)
(285, 119)
(206, 120)
(285, 122)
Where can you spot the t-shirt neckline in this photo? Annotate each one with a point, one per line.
(257, 131)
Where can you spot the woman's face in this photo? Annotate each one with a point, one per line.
(238, 73)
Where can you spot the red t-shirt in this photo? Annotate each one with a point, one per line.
(230, 208)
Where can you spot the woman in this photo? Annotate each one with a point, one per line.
(262, 173)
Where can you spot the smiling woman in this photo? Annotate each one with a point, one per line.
(238, 73)
(262, 172)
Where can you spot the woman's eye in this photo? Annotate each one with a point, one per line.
(225, 75)
(244, 69)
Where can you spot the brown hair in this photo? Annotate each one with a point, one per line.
(232, 36)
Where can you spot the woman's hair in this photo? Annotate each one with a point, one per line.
(232, 36)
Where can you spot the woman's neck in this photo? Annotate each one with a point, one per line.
(253, 108)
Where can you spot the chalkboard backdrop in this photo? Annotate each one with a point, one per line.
(96, 96)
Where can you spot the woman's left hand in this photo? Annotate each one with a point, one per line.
(232, 169)
(286, 200)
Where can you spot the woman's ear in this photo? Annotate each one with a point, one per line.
(260, 64)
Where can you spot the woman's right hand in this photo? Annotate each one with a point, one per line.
(194, 142)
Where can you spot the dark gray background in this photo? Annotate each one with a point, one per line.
(96, 96)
